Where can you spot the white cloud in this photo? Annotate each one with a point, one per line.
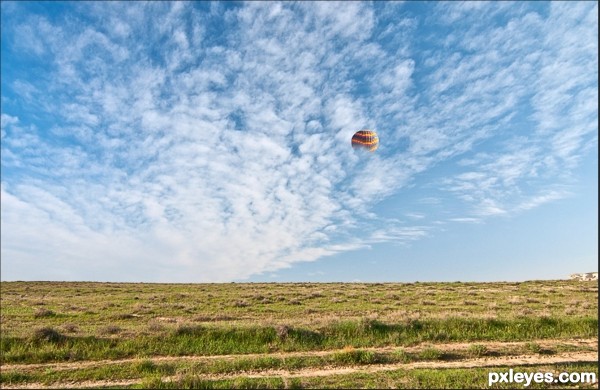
(466, 220)
(488, 207)
(537, 200)
(179, 153)
(566, 89)
(7, 120)
(556, 52)
(399, 235)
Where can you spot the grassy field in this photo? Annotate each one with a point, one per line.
(298, 335)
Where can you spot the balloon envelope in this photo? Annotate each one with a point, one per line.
(366, 140)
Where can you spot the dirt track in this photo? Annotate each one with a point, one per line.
(449, 347)
(517, 360)
(469, 363)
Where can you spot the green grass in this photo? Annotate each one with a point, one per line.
(199, 383)
(43, 322)
(357, 356)
(134, 307)
(477, 350)
(211, 340)
(431, 354)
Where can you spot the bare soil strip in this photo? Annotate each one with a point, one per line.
(522, 360)
(446, 347)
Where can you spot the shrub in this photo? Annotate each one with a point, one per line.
(402, 355)
(282, 331)
(533, 348)
(477, 350)
(146, 366)
(315, 294)
(514, 300)
(524, 312)
(355, 356)
(154, 326)
(39, 313)
(48, 334)
(368, 324)
(430, 354)
(69, 327)
(188, 330)
(110, 329)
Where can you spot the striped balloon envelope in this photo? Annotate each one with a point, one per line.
(365, 139)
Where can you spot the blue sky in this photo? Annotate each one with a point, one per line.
(210, 142)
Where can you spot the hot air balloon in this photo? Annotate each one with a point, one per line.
(366, 140)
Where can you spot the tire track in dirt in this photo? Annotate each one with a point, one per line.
(446, 347)
(522, 360)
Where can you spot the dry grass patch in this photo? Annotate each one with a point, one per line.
(70, 327)
(524, 312)
(41, 313)
(570, 311)
(110, 330)
(315, 294)
(124, 316)
(155, 326)
(282, 331)
(587, 305)
(48, 334)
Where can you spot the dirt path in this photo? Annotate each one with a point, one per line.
(311, 372)
(446, 347)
